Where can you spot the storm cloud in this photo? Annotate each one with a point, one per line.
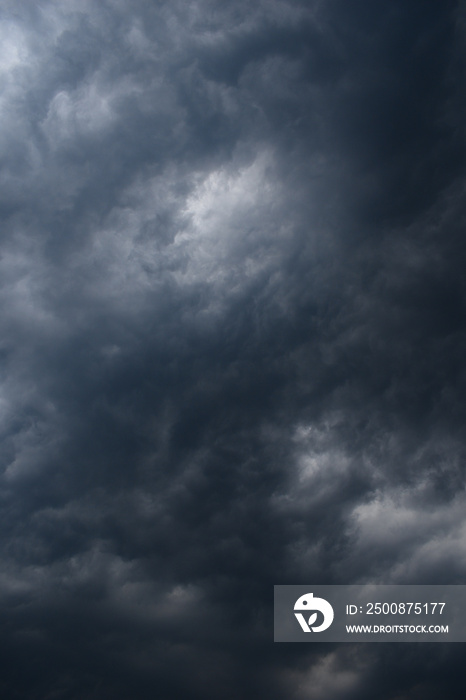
(232, 339)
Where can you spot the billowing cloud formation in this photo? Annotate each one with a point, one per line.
(232, 339)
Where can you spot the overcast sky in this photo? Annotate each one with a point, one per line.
(232, 340)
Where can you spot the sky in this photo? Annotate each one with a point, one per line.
(232, 340)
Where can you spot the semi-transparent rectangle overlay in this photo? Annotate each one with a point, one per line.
(370, 613)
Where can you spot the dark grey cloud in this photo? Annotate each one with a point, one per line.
(232, 339)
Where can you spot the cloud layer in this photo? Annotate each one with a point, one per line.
(232, 339)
